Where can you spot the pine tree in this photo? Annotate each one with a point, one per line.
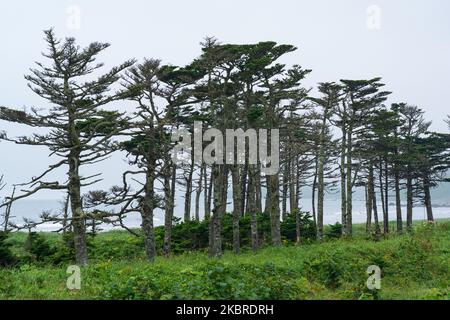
(381, 144)
(432, 166)
(331, 93)
(7, 258)
(414, 126)
(361, 98)
(80, 131)
(159, 92)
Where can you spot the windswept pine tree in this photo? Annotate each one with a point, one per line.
(414, 126)
(215, 90)
(79, 129)
(379, 147)
(361, 98)
(160, 106)
(331, 97)
(246, 87)
(433, 164)
(281, 93)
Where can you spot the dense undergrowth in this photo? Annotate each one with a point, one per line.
(415, 266)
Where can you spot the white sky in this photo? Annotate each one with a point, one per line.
(410, 51)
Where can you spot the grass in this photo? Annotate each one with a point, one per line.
(413, 267)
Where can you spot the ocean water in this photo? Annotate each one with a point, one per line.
(32, 208)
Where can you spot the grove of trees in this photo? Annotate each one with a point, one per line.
(339, 139)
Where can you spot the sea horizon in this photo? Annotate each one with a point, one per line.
(33, 208)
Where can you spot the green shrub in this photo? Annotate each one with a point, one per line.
(38, 248)
(194, 235)
(333, 231)
(307, 227)
(7, 258)
(211, 280)
(327, 269)
(135, 288)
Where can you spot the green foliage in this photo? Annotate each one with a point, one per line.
(104, 122)
(213, 280)
(115, 246)
(6, 256)
(413, 267)
(307, 227)
(193, 235)
(334, 231)
(38, 248)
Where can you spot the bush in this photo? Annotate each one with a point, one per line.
(7, 258)
(193, 235)
(327, 269)
(334, 231)
(38, 248)
(115, 246)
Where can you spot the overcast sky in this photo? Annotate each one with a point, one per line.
(404, 41)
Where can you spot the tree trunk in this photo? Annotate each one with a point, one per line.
(381, 187)
(169, 193)
(208, 194)
(225, 190)
(313, 193)
(252, 208)
(199, 192)
(427, 198)
(320, 191)
(368, 198)
(215, 232)
(8, 212)
(296, 174)
(258, 191)
(147, 208)
(374, 201)
(274, 208)
(244, 185)
(188, 194)
(386, 198)
(285, 190)
(293, 199)
(398, 204)
(237, 202)
(349, 204)
(251, 189)
(76, 204)
(409, 203)
(382, 196)
(375, 216)
(343, 184)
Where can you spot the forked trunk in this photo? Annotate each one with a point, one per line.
(76, 205)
